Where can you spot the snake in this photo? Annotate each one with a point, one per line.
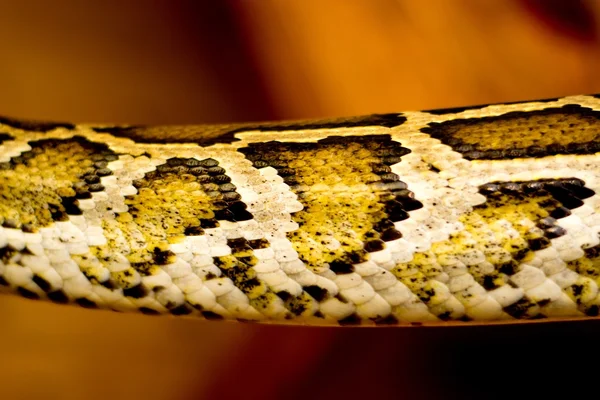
(475, 215)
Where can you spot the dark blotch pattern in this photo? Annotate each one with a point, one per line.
(340, 160)
(38, 126)
(564, 195)
(208, 135)
(544, 202)
(454, 110)
(75, 161)
(5, 137)
(570, 129)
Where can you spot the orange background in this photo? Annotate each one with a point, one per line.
(193, 62)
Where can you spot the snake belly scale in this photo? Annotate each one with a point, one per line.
(474, 215)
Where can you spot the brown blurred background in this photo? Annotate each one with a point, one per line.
(221, 61)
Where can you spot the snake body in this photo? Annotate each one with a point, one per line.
(473, 215)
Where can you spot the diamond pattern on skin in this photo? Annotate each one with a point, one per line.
(333, 224)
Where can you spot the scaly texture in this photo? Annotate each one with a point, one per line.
(478, 214)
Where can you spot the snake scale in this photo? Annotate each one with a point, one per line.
(481, 214)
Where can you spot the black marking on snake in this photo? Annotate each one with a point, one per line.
(109, 284)
(210, 315)
(42, 283)
(136, 292)
(7, 253)
(58, 296)
(203, 135)
(317, 292)
(208, 176)
(148, 311)
(32, 125)
(87, 179)
(86, 303)
(352, 319)
(587, 266)
(454, 110)
(5, 137)
(555, 198)
(191, 215)
(28, 294)
(385, 120)
(526, 308)
(182, 309)
(570, 129)
(391, 200)
(592, 311)
(566, 194)
(208, 135)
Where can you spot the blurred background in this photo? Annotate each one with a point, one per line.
(167, 62)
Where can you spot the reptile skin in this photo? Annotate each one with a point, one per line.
(473, 215)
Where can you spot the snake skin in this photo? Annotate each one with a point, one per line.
(473, 215)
